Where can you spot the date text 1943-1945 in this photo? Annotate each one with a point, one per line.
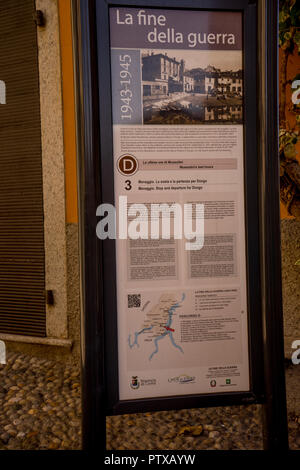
(125, 90)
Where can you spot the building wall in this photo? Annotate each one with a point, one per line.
(290, 226)
(290, 253)
(57, 107)
(210, 83)
(158, 66)
(53, 167)
(152, 68)
(71, 196)
(188, 83)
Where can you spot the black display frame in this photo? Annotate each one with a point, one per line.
(98, 258)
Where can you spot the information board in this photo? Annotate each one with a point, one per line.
(179, 217)
(178, 145)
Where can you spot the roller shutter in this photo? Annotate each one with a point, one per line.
(22, 265)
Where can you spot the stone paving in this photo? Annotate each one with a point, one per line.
(40, 408)
(40, 404)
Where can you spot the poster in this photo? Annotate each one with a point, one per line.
(177, 102)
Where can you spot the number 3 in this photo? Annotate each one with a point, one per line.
(128, 185)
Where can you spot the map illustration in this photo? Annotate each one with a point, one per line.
(157, 325)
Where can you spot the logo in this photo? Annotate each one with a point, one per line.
(213, 383)
(127, 165)
(228, 381)
(182, 379)
(135, 383)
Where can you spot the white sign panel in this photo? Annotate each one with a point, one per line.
(177, 99)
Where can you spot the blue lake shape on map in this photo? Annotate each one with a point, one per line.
(158, 338)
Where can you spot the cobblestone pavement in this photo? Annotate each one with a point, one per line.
(40, 405)
(40, 408)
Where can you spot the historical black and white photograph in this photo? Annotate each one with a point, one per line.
(192, 87)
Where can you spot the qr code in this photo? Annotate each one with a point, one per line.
(134, 300)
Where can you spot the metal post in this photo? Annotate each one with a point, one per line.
(92, 329)
(274, 409)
